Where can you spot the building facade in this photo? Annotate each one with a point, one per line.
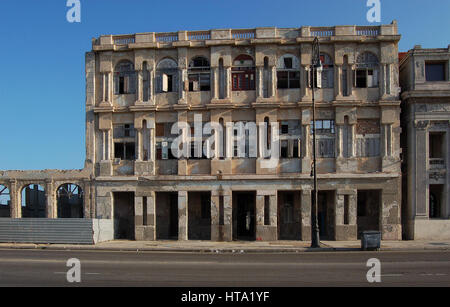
(424, 78)
(227, 90)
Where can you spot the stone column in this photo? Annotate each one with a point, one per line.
(151, 88)
(140, 144)
(110, 87)
(421, 173)
(104, 87)
(260, 84)
(304, 86)
(339, 140)
(266, 232)
(140, 86)
(221, 232)
(51, 200)
(229, 137)
(215, 83)
(306, 148)
(182, 215)
(273, 92)
(228, 83)
(343, 231)
(352, 130)
(338, 82)
(306, 215)
(181, 90)
(152, 145)
(145, 217)
(350, 81)
(15, 207)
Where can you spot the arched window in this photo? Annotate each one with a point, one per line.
(243, 73)
(166, 76)
(288, 72)
(124, 78)
(33, 201)
(327, 71)
(5, 202)
(199, 75)
(70, 201)
(367, 70)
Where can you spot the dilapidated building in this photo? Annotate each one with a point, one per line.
(424, 78)
(138, 86)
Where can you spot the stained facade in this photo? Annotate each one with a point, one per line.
(424, 77)
(138, 86)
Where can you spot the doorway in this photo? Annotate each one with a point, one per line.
(325, 216)
(166, 215)
(123, 215)
(368, 208)
(244, 221)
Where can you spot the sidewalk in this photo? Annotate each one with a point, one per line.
(234, 247)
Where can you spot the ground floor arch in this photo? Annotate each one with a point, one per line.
(70, 201)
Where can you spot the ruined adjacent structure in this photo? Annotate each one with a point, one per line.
(424, 78)
(138, 86)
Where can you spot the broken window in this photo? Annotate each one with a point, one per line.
(325, 138)
(327, 72)
(164, 139)
(288, 72)
(124, 142)
(243, 73)
(199, 75)
(70, 201)
(368, 138)
(366, 73)
(435, 71)
(166, 76)
(33, 201)
(124, 78)
(290, 136)
(5, 202)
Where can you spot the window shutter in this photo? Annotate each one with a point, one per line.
(116, 84)
(375, 78)
(319, 77)
(165, 150)
(165, 83)
(132, 83)
(175, 82)
(126, 83)
(354, 78)
(158, 84)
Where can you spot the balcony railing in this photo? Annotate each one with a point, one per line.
(246, 34)
(124, 40)
(437, 163)
(367, 31)
(322, 32)
(242, 34)
(199, 35)
(166, 37)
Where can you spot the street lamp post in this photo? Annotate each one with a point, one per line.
(315, 63)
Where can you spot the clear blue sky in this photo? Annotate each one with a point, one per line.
(42, 86)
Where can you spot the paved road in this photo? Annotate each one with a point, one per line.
(104, 268)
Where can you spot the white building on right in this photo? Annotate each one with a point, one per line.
(424, 79)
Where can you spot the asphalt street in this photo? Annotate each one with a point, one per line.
(107, 268)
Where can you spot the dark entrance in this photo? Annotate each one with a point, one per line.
(325, 216)
(167, 216)
(199, 213)
(369, 204)
(244, 207)
(124, 215)
(289, 225)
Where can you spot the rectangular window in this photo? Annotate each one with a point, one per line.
(323, 126)
(199, 82)
(244, 81)
(284, 149)
(366, 77)
(435, 71)
(288, 79)
(436, 142)
(124, 151)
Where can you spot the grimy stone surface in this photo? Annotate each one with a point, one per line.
(426, 112)
(129, 113)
